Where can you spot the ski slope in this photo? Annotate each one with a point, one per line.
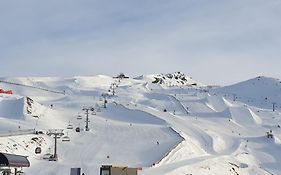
(165, 129)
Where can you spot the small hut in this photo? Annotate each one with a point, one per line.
(269, 134)
(117, 170)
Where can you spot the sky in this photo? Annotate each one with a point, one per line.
(216, 42)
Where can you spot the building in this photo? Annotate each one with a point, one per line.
(75, 171)
(11, 161)
(121, 76)
(117, 170)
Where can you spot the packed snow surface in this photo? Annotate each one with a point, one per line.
(163, 124)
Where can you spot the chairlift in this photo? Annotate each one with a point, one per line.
(79, 117)
(77, 129)
(47, 156)
(69, 126)
(38, 150)
(65, 139)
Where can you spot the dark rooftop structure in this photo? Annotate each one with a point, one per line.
(121, 76)
(13, 161)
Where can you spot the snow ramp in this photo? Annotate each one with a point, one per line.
(243, 116)
(19, 108)
(216, 103)
(209, 104)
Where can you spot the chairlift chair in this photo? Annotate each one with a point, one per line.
(47, 156)
(69, 126)
(65, 139)
(79, 117)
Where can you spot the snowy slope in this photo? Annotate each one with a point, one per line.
(167, 129)
(260, 91)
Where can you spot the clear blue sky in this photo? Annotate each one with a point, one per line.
(215, 42)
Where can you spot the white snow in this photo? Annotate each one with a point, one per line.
(203, 131)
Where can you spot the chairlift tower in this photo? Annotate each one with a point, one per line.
(87, 121)
(104, 95)
(234, 97)
(55, 133)
(113, 87)
(113, 90)
(273, 106)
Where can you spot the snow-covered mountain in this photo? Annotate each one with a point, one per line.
(260, 91)
(164, 124)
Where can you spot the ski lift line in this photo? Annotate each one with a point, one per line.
(18, 132)
(39, 88)
(55, 130)
(267, 171)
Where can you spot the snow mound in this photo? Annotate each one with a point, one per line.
(13, 108)
(243, 116)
